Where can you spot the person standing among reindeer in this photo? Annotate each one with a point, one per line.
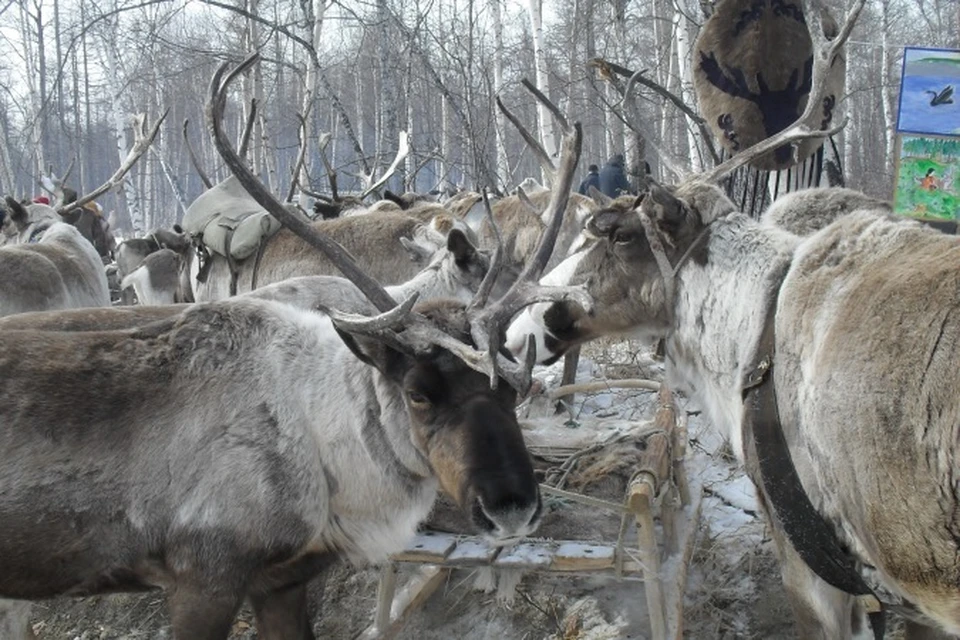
(592, 180)
(613, 179)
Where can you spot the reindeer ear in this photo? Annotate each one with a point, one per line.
(666, 208)
(599, 197)
(327, 210)
(416, 250)
(394, 198)
(459, 245)
(18, 214)
(602, 223)
(374, 352)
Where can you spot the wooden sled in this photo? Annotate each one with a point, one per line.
(659, 490)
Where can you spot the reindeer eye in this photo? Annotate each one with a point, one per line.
(624, 237)
(418, 400)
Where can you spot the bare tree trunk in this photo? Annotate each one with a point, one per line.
(503, 163)
(887, 89)
(443, 168)
(684, 71)
(35, 92)
(545, 121)
(8, 180)
(410, 162)
(387, 103)
(88, 124)
(115, 84)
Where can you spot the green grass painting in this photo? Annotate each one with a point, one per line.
(928, 179)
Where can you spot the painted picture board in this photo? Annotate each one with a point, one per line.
(928, 178)
(929, 102)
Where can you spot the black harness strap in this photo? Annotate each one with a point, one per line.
(231, 263)
(766, 448)
(261, 245)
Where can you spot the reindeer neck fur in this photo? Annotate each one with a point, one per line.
(355, 413)
(376, 510)
(719, 312)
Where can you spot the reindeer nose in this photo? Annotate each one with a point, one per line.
(509, 522)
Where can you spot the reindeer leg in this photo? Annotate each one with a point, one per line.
(282, 614)
(203, 612)
(822, 611)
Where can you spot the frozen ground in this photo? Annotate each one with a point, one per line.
(733, 588)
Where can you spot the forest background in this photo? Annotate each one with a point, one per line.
(74, 72)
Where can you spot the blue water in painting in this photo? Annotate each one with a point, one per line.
(916, 114)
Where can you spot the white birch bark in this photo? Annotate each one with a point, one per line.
(545, 121)
(888, 86)
(503, 165)
(443, 169)
(410, 162)
(119, 117)
(33, 117)
(8, 181)
(389, 135)
(684, 72)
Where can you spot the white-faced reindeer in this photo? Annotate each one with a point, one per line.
(243, 483)
(48, 264)
(842, 343)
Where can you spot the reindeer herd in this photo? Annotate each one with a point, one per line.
(318, 394)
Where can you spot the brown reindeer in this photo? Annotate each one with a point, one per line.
(828, 359)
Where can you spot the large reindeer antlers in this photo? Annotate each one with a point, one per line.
(490, 322)
(337, 254)
(142, 141)
(400, 326)
(546, 162)
(808, 124)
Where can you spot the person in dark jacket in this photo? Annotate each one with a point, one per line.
(592, 180)
(613, 179)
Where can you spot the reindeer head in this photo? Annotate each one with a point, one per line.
(458, 388)
(619, 267)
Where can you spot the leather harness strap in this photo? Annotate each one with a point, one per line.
(772, 469)
(231, 263)
(261, 245)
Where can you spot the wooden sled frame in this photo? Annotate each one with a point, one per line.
(659, 488)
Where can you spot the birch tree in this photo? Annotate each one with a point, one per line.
(545, 121)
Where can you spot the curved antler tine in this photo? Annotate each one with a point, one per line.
(546, 163)
(333, 250)
(488, 325)
(496, 261)
(357, 323)
(194, 160)
(403, 150)
(562, 119)
(569, 158)
(525, 200)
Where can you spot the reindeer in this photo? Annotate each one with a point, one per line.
(392, 247)
(48, 265)
(827, 360)
(453, 272)
(809, 210)
(83, 212)
(243, 483)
